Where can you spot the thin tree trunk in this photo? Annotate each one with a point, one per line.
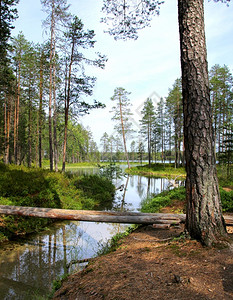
(29, 126)
(123, 133)
(51, 58)
(67, 104)
(204, 219)
(40, 110)
(55, 120)
(7, 128)
(16, 120)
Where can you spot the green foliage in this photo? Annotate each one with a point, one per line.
(41, 188)
(111, 171)
(158, 169)
(155, 203)
(227, 200)
(100, 189)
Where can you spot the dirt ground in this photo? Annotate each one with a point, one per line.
(155, 264)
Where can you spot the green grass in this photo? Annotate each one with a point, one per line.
(156, 203)
(158, 170)
(36, 187)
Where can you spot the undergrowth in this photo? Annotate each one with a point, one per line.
(36, 187)
(155, 203)
(157, 169)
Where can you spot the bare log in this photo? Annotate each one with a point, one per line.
(99, 216)
(228, 220)
(161, 226)
(93, 216)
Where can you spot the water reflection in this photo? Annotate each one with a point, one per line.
(28, 266)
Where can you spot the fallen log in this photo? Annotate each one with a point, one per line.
(93, 216)
(99, 216)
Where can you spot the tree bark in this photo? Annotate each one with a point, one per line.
(204, 219)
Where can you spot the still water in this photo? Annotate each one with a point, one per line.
(28, 266)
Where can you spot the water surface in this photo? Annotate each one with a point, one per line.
(28, 266)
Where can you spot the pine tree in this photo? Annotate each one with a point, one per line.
(121, 115)
(147, 122)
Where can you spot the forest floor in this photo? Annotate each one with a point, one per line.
(155, 264)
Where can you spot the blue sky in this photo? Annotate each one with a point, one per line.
(147, 67)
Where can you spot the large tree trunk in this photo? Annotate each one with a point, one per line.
(204, 219)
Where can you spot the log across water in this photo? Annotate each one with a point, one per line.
(98, 216)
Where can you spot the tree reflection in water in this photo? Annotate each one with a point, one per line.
(29, 266)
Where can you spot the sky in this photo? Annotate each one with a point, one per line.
(147, 67)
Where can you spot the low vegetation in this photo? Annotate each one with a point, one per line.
(158, 170)
(35, 187)
(155, 203)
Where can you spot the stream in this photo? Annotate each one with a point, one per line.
(28, 266)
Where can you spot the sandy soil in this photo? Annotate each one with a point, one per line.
(155, 264)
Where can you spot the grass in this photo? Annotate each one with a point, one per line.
(158, 170)
(115, 241)
(156, 203)
(41, 188)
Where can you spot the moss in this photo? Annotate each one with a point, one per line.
(36, 187)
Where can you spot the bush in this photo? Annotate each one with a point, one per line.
(35, 187)
(227, 200)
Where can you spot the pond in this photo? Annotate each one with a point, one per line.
(28, 266)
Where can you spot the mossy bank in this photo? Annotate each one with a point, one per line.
(41, 188)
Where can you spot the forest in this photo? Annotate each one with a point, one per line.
(182, 147)
(42, 88)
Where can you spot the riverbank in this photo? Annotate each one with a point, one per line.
(158, 170)
(41, 188)
(155, 264)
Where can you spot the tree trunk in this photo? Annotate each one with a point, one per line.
(123, 133)
(51, 59)
(40, 110)
(16, 116)
(67, 106)
(29, 126)
(7, 128)
(55, 120)
(204, 219)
